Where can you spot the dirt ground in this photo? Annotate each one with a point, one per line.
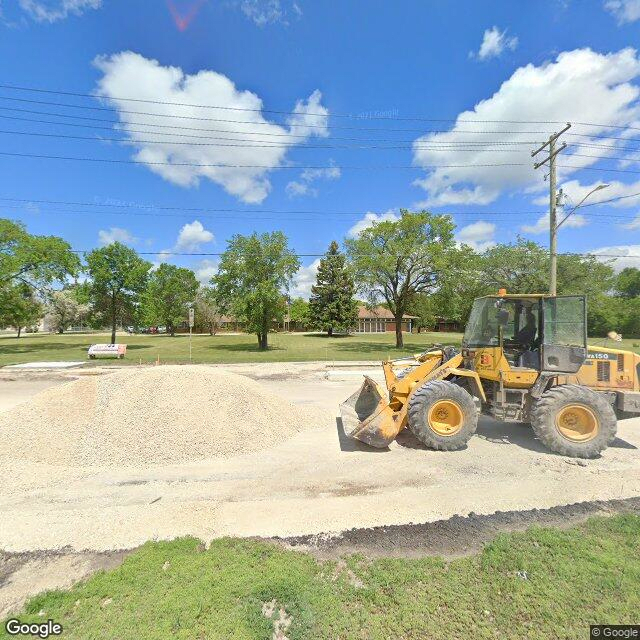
(318, 484)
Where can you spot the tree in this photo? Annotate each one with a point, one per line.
(64, 310)
(253, 275)
(170, 291)
(395, 260)
(522, 267)
(118, 277)
(19, 307)
(207, 310)
(36, 261)
(332, 306)
(628, 283)
(299, 312)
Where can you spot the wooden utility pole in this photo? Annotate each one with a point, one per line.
(553, 202)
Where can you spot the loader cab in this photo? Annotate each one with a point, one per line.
(535, 332)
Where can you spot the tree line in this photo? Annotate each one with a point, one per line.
(411, 266)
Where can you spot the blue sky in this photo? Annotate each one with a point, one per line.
(323, 85)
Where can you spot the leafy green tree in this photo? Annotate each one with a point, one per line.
(170, 291)
(395, 260)
(299, 312)
(254, 273)
(63, 310)
(118, 277)
(19, 307)
(207, 311)
(628, 283)
(522, 267)
(36, 261)
(332, 306)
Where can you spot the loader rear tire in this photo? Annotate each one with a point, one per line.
(574, 421)
(442, 415)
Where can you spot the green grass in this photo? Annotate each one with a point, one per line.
(574, 577)
(283, 347)
(223, 348)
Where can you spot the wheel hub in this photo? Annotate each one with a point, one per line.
(577, 423)
(445, 417)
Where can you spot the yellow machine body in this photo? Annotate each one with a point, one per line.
(375, 415)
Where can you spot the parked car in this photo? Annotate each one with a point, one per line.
(162, 329)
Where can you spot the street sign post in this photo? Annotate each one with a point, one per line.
(191, 319)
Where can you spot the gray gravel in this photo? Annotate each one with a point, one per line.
(158, 415)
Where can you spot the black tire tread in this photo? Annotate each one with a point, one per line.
(543, 420)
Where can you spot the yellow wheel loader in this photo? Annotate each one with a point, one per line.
(524, 358)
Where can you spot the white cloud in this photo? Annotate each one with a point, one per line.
(115, 234)
(631, 253)
(54, 10)
(542, 224)
(624, 11)
(304, 279)
(628, 194)
(369, 220)
(494, 42)
(130, 75)
(480, 235)
(192, 236)
(303, 187)
(205, 270)
(263, 12)
(545, 93)
(309, 117)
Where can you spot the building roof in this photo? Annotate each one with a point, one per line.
(378, 313)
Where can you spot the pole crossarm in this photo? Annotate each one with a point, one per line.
(552, 139)
(537, 165)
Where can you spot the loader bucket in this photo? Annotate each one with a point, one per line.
(367, 416)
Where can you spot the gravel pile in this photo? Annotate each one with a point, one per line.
(158, 415)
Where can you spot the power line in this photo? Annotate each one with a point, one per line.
(421, 131)
(254, 110)
(322, 255)
(449, 146)
(260, 166)
(369, 116)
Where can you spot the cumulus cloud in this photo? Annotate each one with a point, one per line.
(54, 10)
(250, 139)
(630, 253)
(115, 234)
(304, 185)
(628, 195)
(542, 224)
(304, 279)
(192, 236)
(624, 11)
(205, 270)
(480, 235)
(264, 12)
(494, 42)
(369, 220)
(544, 93)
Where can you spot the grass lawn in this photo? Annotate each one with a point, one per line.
(223, 348)
(544, 583)
(283, 347)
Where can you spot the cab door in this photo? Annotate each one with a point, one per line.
(564, 333)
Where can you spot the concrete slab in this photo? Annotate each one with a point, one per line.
(47, 365)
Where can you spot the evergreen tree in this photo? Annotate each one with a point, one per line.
(332, 306)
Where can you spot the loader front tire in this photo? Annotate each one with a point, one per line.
(442, 415)
(574, 421)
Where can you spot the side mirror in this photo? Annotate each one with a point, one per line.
(503, 317)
